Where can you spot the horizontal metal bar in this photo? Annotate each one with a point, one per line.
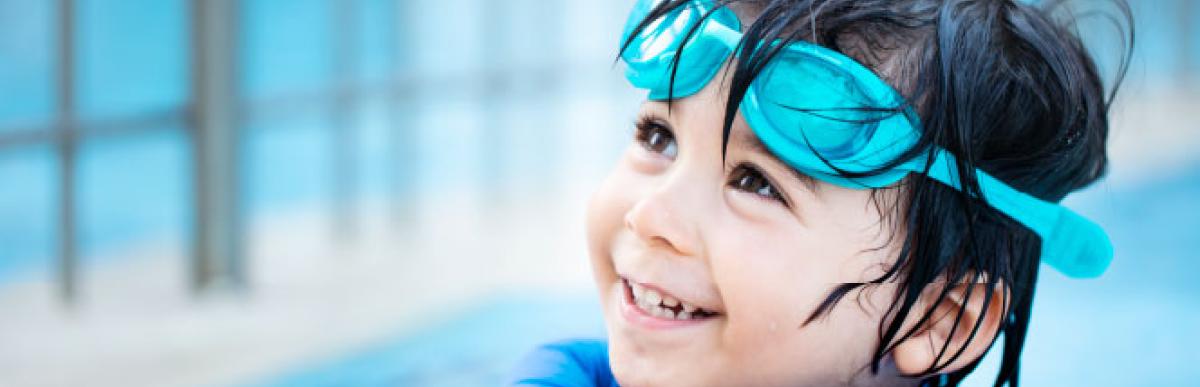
(52, 132)
(410, 86)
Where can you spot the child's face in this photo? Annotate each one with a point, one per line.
(745, 238)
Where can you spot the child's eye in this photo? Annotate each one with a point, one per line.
(747, 178)
(655, 137)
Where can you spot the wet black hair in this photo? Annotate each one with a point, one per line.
(1006, 86)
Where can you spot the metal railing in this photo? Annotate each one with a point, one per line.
(212, 117)
(215, 113)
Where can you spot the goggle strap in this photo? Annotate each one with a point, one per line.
(1071, 243)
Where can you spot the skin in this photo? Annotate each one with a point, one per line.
(668, 216)
(762, 252)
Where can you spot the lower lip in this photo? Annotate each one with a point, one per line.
(638, 317)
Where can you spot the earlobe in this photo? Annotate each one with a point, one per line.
(938, 339)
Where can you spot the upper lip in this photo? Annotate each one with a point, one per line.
(678, 294)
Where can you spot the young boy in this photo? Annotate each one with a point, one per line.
(837, 193)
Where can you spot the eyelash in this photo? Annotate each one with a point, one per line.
(656, 137)
(749, 178)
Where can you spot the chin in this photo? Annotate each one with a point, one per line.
(631, 371)
(633, 368)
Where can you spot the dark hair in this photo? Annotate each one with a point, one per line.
(1005, 86)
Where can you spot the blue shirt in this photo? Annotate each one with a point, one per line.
(567, 363)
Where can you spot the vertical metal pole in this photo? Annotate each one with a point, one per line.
(203, 269)
(229, 20)
(558, 42)
(552, 93)
(67, 255)
(1187, 42)
(217, 250)
(493, 168)
(400, 111)
(345, 58)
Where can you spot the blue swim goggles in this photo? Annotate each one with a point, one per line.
(801, 106)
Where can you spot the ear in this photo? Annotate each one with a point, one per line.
(916, 354)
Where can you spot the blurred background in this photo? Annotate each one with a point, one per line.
(391, 192)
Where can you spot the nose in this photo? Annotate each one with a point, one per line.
(662, 218)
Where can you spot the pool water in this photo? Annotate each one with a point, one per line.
(477, 347)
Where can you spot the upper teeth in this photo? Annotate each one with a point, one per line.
(662, 305)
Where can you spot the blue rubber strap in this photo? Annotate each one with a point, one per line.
(1072, 244)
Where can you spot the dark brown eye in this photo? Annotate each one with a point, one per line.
(656, 138)
(749, 179)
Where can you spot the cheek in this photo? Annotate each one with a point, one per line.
(772, 280)
(770, 288)
(605, 218)
(775, 272)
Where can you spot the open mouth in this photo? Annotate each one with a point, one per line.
(661, 305)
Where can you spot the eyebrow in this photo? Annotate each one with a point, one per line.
(749, 140)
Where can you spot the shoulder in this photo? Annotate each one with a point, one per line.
(576, 362)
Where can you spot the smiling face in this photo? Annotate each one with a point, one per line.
(708, 267)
